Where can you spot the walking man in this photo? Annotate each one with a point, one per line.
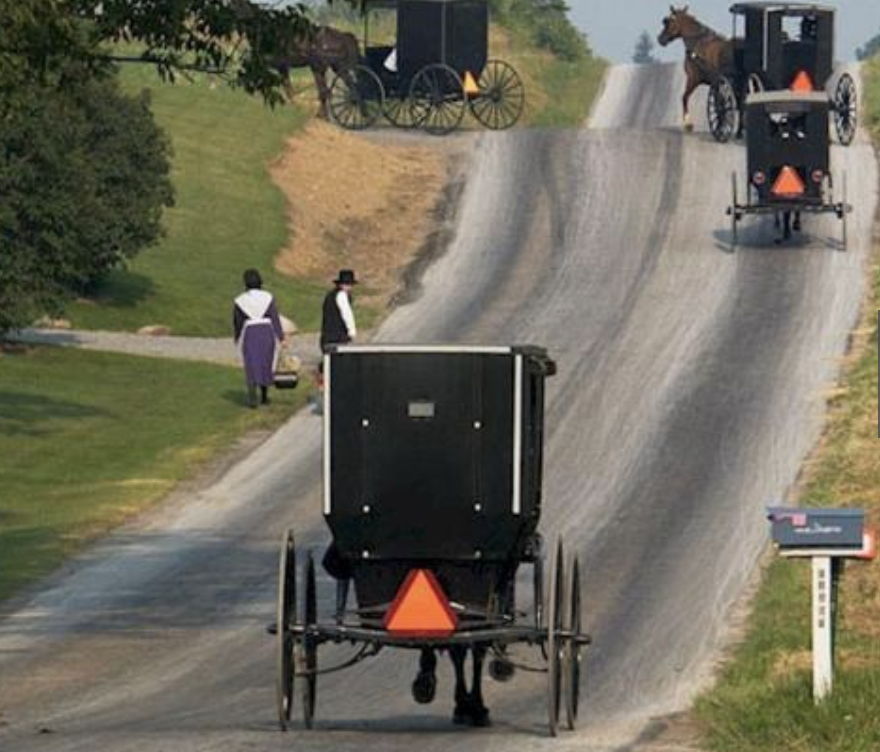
(257, 327)
(338, 326)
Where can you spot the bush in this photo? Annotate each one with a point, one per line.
(548, 24)
(84, 175)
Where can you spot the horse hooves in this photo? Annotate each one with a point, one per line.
(467, 714)
(424, 688)
(501, 671)
(480, 718)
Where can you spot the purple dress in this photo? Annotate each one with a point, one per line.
(257, 328)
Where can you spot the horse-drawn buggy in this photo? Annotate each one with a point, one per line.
(437, 70)
(783, 46)
(788, 153)
(432, 493)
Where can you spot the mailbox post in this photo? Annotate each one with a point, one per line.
(827, 537)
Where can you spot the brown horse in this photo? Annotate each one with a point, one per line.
(707, 53)
(319, 48)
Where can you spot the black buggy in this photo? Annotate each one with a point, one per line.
(788, 152)
(438, 69)
(785, 46)
(432, 492)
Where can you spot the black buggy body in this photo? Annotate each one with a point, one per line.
(788, 160)
(434, 459)
(437, 69)
(432, 466)
(781, 46)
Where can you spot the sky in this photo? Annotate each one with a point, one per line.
(614, 25)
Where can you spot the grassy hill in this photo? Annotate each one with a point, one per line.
(230, 215)
(763, 700)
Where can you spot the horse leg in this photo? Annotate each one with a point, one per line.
(425, 685)
(693, 81)
(479, 711)
(462, 705)
(319, 73)
(796, 225)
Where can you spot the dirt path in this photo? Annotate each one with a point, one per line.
(219, 350)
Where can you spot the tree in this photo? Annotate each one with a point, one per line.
(83, 168)
(644, 47)
(238, 39)
(84, 175)
(871, 48)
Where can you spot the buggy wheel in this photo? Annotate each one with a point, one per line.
(438, 99)
(356, 98)
(573, 649)
(722, 110)
(846, 109)
(285, 617)
(555, 616)
(502, 97)
(308, 647)
(399, 112)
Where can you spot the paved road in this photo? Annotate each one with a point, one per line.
(689, 391)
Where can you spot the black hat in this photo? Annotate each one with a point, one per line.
(345, 277)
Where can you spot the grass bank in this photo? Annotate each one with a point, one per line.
(559, 92)
(88, 439)
(763, 700)
(229, 215)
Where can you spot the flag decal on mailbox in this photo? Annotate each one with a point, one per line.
(420, 608)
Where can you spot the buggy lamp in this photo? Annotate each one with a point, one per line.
(818, 176)
(827, 537)
(759, 178)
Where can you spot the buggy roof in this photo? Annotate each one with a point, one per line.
(790, 9)
(787, 97)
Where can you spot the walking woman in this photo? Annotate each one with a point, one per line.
(257, 328)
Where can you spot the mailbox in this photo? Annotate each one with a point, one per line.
(823, 529)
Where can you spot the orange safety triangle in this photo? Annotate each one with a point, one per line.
(471, 87)
(802, 82)
(420, 608)
(789, 183)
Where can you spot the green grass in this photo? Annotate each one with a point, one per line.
(89, 439)
(763, 701)
(571, 89)
(229, 216)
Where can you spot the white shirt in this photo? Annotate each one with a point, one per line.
(344, 306)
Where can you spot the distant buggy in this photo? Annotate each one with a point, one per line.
(438, 70)
(785, 46)
(788, 153)
(432, 491)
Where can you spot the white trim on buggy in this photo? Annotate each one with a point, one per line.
(517, 433)
(327, 489)
(466, 349)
